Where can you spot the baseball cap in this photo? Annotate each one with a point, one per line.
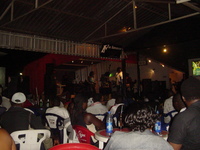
(18, 98)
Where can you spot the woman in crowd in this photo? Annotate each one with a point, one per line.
(79, 116)
(141, 119)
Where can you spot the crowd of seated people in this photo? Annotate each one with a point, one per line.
(140, 116)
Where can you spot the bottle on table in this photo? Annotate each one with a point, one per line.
(109, 124)
(41, 103)
(157, 127)
(47, 103)
(120, 122)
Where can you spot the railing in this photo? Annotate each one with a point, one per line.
(35, 43)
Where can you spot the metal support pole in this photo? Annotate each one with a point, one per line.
(124, 78)
(169, 11)
(138, 75)
(134, 15)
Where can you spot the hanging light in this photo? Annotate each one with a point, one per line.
(164, 49)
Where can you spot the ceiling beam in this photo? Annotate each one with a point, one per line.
(49, 1)
(145, 27)
(107, 21)
(192, 6)
(6, 10)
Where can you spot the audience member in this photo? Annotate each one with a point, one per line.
(6, 141)
(184, 132)
(169, 111)
(2, 109)
(97, 108)
(91, 82)
(178, 103)
(141, 119)
(111, 102)
(17, 118)
(6, 102)
(105, 88)
(119, 79)
(79, 116)
(60, 111)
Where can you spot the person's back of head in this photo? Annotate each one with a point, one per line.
(56, 102)
(107, 74)
(119, 69)
(178, 102)
(119, 99)
(77, 107)
(140, 116)
(114, 94)
(18, 98)
(169, 93)
(97, 97)
(190, 88)
(91, 74)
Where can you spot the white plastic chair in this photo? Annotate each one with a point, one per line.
(30, 139)
(113, 110)
(69, 134)
(59, 124)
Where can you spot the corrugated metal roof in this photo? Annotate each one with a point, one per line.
(117, 22)
(87, 20)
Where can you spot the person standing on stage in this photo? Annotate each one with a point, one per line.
(119, 79)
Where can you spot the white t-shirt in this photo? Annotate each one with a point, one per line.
(168, 107)
(96, 109)
(6, 102)
(119, 77)
(60, 111)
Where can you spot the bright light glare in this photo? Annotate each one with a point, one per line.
(149, 61)
(164, 50)
(20, 74)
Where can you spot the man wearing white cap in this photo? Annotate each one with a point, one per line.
(17, 118)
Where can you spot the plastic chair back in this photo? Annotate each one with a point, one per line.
(115, 111)
(84, 135)
(69, 134)
(56, 125)
(74, 146)
(54, 121)
(30, 139)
